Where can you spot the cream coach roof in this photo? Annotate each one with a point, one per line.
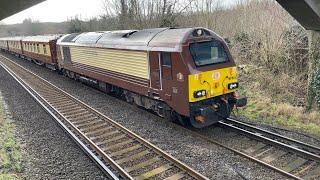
(18, 38)
(41, 38)
(158, 39)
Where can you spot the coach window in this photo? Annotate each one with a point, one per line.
(38, 48)
(44, 49)
(166, 65)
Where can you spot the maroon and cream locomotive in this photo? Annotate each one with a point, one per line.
(185, 74)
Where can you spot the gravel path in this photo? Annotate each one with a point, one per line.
(48, 153)
(213, 161)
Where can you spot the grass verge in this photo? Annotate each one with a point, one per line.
(10, 156)
(264, 110)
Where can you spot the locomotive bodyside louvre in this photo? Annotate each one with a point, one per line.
(133, 63)
(108, 66)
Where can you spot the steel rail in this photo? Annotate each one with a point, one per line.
(176, 162)
(275, 134)
(208, 139)
(285, 146)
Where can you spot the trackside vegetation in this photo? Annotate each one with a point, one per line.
(10, 156)
(262, 110)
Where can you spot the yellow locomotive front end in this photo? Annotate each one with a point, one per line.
(213, 83)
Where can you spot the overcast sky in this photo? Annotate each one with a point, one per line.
(61, 10)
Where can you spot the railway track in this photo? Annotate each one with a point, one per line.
(271, 147)
(120, 153)
(289, 157)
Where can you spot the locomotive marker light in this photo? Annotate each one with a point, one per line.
(201, 93)
(232, 86)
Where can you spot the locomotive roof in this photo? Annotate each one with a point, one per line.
(41, 38)
(158, 39)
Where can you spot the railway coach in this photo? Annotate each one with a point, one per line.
(185, 74)
(4, 44)
(11, 44)
(41, 49)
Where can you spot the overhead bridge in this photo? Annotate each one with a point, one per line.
(306, 12)
(11, 7)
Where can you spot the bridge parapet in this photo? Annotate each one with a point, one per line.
(306, 12)
(10, 7)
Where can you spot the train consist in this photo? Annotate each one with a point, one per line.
(186, 74)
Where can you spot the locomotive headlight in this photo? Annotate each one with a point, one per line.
(232, 86)
(199, 32)
(201, 93)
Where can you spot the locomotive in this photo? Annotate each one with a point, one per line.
(184, 74)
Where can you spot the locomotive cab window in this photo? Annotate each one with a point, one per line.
(208, 53)
(166, 65)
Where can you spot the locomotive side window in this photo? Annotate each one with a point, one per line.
(166, 65)
(166, 59)
(208, 53)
